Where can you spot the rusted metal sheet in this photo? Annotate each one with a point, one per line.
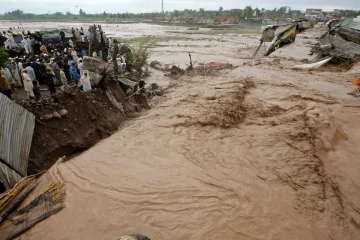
(16, 132)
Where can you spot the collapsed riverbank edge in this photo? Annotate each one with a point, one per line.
(85, 119)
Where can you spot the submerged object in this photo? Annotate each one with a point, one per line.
(314, 65)
(135, 237)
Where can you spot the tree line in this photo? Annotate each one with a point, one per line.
(247, 12)
(21, 15)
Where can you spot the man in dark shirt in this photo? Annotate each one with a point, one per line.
(36, 89)
(42, 69)
(50, 81)
(62, 36)
(34, 65)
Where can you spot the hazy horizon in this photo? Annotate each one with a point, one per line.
(143, 6)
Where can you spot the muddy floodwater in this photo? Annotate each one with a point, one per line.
(260, 151)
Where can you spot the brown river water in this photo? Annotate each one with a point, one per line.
(256, 152)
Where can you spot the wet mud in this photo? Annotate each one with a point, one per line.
(256, 152)
(89, 117)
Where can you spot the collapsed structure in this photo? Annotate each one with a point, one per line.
(341, 41)
(279, 35)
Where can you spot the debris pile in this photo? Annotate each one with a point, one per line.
(174, 70)
(167, 68)
(279, 35)
(202, 68)
(158, 65)
(14, 221)
(283, 35)
(45, 107)
(211, 68)
(342, 41)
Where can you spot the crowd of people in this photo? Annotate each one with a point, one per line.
(62, 66)
(62, 69)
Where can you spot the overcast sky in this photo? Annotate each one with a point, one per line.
(137, 6)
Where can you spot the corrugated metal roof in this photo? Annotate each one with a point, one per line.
(16, 131)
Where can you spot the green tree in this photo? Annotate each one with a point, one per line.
(82, 12)
(4, 58)
(140, 54)
(176, 13)
(17, 13)
(248, 12)
(282, 9)
(235, 13)
(221, 11)
(58, 14)
(290, 12)
(202, 14)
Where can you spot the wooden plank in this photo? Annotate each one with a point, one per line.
(349, 34)
(19, 224)
(338, 47)
(17, 200)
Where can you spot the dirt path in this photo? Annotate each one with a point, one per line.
(258, 152)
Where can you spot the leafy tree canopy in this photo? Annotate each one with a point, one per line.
(248, 12)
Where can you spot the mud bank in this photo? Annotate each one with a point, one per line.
(90, 117)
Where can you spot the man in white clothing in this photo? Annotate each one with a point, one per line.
(7, 44)
(85, 83)
(80, 67)
(31, 73)
(26, 45)
(28, 85)
(121, 64)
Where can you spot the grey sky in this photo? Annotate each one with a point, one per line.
(119, 6)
